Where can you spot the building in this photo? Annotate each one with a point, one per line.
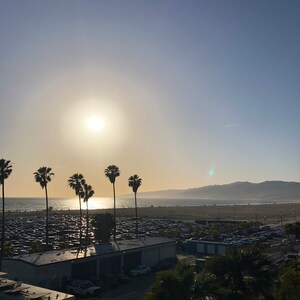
(199, 247)
(53, 268)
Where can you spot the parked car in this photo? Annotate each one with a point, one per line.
(83, 287)
(140, 270)
(99, 282)
(122, 278)
(291, 256)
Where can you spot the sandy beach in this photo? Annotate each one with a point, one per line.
(269, 213)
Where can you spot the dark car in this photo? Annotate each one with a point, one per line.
(122, 278)
(99, 282)
(111, 281)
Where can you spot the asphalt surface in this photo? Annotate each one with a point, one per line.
(134, 290)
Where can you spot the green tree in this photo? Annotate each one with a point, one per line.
(293, 228)
(289, 282)
(213, 231)
(5, 171)
(9, 250)
(241, 273)
(43, 176)
(174, 284)
(112, 172)
(228, 272)
(205, 284)
(63, 241)
(135, 182)
(36, 246)
(88, 192)
(103, 225)
(75, 182)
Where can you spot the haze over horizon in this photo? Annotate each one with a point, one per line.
(167, 90)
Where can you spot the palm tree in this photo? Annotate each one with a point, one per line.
(5, 171)
(103, 225)
(43, 176)
(111, 172)
(88, 192)
(135, 182)
(75, 182)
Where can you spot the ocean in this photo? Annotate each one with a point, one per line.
(36, 204)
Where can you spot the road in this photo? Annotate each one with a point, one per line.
(134, 290)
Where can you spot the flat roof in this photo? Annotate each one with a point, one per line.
(57, 256)
(208, 242)
(11, 289)
(3, 274)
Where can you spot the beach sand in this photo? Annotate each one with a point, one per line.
(269, 213)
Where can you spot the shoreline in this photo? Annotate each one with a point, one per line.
(265, 213)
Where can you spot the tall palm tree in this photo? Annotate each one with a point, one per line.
(75, 182)
(112, 172)
(43, 176)
(88, 192)
(5, 171)
(135, 182)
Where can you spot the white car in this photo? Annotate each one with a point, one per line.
(139, 270)
(83, 287)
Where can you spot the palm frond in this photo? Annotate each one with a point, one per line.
(76, 182)
(43, 175)
(111, 172)
(135, 182)
(5, 169)
(88, 192)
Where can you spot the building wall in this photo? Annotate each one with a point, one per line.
(207, 247)
(50, 276)
(83, 268)
(53, 275)
(110, 265)
(150, 257)
(222, 249)
(168, 250)
(200, 248)
(211, 249)
(131, 260)
(19, 270)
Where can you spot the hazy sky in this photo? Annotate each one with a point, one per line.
(182, 87)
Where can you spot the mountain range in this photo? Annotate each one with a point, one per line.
(234, 191)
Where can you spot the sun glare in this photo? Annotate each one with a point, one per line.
(95, 123)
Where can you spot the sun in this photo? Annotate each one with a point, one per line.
(95, 123)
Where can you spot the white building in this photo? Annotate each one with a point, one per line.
(53, 268)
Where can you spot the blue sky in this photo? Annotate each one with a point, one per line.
(182, 86)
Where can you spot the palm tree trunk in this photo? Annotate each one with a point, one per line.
(80, 222)
(3, 227)
(136, 220)
(87, 225)
(47, 218)
(115, 224)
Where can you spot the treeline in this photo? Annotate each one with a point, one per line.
(243, 274)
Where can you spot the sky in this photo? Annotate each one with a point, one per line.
(181, 88)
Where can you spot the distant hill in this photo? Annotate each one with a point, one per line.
(234, 191)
